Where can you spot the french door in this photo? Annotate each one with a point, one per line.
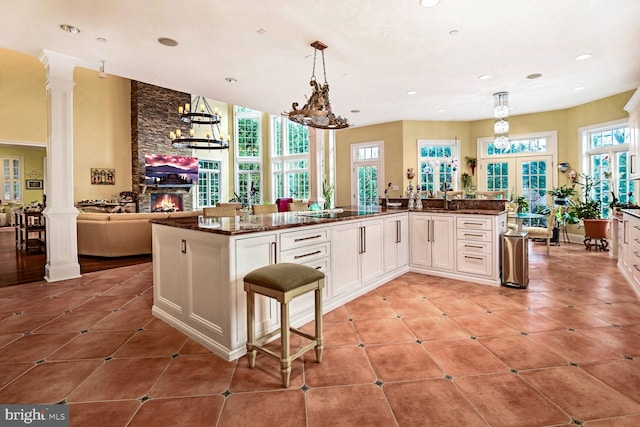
(366, 173)
(530, 176)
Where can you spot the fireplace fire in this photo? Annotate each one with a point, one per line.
(166, 202)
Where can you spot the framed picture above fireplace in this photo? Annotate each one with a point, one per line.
(170, 171)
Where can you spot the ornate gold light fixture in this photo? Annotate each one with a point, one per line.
(199, 114)
(501, 125)
(317, 112)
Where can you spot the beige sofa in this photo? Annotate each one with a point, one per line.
(119, 234)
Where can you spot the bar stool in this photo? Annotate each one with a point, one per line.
(283, 282)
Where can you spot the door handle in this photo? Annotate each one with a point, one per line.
(364, 239)
(398, 232)
(274, 253)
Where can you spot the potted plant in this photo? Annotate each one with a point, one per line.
(589, 211)
(562, 194)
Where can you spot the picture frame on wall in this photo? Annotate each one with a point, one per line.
(35, 184)
(101, 176)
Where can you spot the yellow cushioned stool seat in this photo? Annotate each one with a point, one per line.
(283, 282)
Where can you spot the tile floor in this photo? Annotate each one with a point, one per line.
(419, 350)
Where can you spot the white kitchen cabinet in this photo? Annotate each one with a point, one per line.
(310, 246)
(432, 241)
(474, 245)
(396, 242)
(356, 254)
(251, 253)
(633, 108)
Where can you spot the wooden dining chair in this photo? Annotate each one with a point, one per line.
(543, 232)
(219, 211)
(265, 209)
(502, 195)
(299, 206)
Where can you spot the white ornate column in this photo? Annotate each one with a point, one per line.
(62, 241)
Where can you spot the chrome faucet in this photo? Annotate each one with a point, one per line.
(446, 201)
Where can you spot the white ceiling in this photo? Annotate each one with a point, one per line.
(378, 50)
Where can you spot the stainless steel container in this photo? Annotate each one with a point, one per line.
(515, 259)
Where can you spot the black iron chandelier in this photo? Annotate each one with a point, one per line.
(317, 112)
(204, 132)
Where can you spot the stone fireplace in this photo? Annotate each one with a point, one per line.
(154, 113)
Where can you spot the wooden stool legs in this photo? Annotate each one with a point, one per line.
(285, 357)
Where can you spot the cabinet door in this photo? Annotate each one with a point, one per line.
(371, 258)
(420, 228)
(443, 243)
(345, 258)
(168, 270)
(396, 242)
(252, 253)
(390, 244)
(403, 245)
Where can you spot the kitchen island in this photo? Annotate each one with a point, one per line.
(199, 263)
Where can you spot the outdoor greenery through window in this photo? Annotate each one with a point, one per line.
(289, 159)
(608, 164)
(367, 163)
(520, 146)
(208, 183)
(247, 160)
(434, 163)
(10, 179)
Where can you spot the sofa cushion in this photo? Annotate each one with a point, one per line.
(137, 216)
(92, 216)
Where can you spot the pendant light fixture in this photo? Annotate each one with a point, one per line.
(317, 112)
(501, 124)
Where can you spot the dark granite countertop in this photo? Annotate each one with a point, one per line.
(243, 224)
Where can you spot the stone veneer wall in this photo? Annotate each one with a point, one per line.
(154, 113)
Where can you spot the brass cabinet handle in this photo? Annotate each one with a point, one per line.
(306, 255)
(300, 239)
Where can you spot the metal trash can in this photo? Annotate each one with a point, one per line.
(515, 259)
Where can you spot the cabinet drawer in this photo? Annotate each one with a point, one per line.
(306, 253)
(474, 247)
(297, 239)
(474, 223)
(322, 264)
(474, 235)
(475, 263)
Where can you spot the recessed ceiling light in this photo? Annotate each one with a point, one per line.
(70, 28)
(231, 79)
(355, 111)
(261, 31)
(534, 76)
(166, 41)
(411, 92)
(429, 3)
(578, 88)
(485, 76)
(583, 56)
(442, 110)
(453, 32)
(101, 39)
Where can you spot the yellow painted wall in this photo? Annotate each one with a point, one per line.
(401, 138)
(23, 98)
(101, 133)
(390, 133)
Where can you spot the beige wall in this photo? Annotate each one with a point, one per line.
(101, 133)
(401, 138)
(23, 98)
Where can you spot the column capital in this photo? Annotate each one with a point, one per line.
(58, 66)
